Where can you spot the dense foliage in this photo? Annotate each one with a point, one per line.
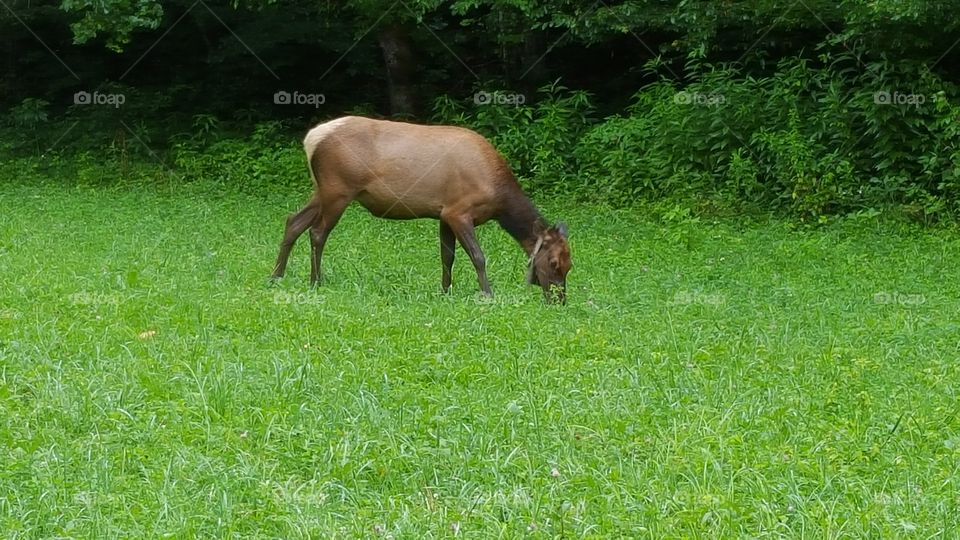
(814, 108)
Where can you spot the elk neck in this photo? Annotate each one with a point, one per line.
(521, 219)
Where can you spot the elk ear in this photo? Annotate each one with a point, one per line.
(562, 229)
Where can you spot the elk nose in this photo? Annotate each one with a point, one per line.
(556, 294)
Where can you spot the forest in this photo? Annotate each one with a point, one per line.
(811, 108)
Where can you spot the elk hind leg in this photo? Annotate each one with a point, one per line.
(296, 224)
(448, 246)
(320, 231)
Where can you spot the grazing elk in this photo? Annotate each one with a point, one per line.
(398, 170)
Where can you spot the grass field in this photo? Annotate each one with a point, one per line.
(706, 380)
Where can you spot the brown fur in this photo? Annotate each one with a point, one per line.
(398, 170)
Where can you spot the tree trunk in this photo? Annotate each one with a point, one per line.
(533, 61)
(398, 57)
(207, 46)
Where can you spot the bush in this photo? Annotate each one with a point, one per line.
(536, 138)
(812, 140)
(265, 160)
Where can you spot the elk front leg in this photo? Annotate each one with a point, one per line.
(463, 229)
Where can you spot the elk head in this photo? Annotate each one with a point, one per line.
(550, 262)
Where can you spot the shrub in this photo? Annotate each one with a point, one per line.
(536, 138)
(814, 140)
(264, 161)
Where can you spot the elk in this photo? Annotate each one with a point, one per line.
(398, 170)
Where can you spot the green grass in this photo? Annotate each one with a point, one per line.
(707, 380)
